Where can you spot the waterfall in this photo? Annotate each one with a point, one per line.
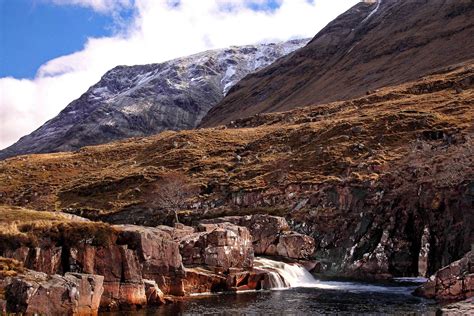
(284, 275)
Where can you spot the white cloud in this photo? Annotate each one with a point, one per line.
(103, 6)
(159, 31)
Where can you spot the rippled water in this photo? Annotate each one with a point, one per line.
(306, 296)
(325, 297)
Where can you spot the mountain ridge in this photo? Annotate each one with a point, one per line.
(140, 100)
(370, 46)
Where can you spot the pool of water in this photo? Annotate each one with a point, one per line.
(321, 297)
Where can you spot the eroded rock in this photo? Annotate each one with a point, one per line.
(271, 236)
(39, 293)
(453, 282)
(221, 246)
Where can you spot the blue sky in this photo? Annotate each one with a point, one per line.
(52, 51)
(33, 32)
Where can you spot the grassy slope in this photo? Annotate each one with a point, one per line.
(363, 139)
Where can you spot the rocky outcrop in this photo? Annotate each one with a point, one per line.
(453, 282)
(131, 101)
(132, 255)
(39, 293)
(271, 236)
(220, 246)
(140, 265)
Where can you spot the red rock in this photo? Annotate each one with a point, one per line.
(296, 246)
(19, 254)
(255, 279)
(132, 295)
(38, 293)
(154, 296)
(90, 292)
(220, 246)
(199, 280)
(271, 236)
(453, 282)
(156, 250)
(47, 260)
(132, 271)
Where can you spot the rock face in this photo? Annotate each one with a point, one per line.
(271, 236)
(39, 293)
(140, 265)
(220, 246)
(142, 100)
(370, 46)
(453, 282)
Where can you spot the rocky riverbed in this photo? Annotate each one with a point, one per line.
(130, 267)
(134, 266)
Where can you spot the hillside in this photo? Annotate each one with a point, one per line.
(368, 47)
(142, 100)
(375, 180)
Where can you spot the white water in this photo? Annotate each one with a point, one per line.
(284, 276)
(292, 274)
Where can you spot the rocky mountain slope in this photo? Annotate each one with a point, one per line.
(132, 101)
(370, 46)
(383, 183)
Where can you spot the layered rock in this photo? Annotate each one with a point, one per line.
(221, 246)
(133, 255)
(39, 293)
(453, 282)
(140, 265)
(271, 236)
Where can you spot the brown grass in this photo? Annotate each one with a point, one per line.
(362, 140)
(24, 227)
(10, 267)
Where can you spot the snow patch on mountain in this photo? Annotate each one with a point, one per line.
(141, 100)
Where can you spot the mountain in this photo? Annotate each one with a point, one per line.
(132, 101)
(370, 46)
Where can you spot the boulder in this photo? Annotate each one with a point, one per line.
(38, 293)
(247, 280)
(453, 282)
(219, 246)
(295, 245)
(90, 289)
(157, 251)
(271, 236)
(177, 232)
(46, 259)
(158, 254)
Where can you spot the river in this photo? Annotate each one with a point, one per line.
(298, 293)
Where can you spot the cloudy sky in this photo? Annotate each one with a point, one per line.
(51, 51)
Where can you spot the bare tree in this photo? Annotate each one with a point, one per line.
(172, 193)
